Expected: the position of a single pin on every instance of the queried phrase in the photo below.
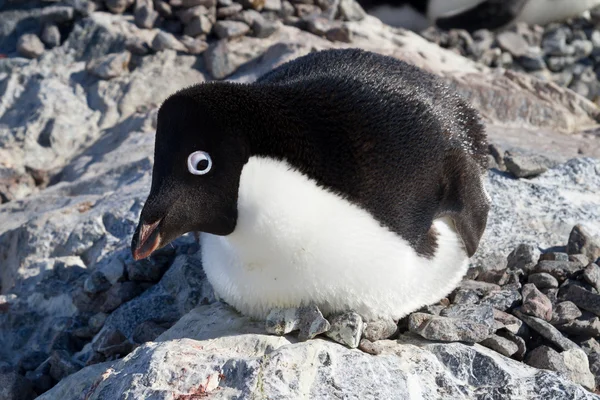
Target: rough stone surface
(582, 242)
(526, 165)
(502, 345)
(543, 280)
(110, 66)
(591, 274)
(456, 323)
(524, 256)
(535, 303)
(582, 298)
(380, 329)
(30, 46)
(346, 329)
(565, 311)
(547, 331)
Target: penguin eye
(199, 163)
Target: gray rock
(166, 41)
(346, 328)
(456, 323)
(547, 330)
(503, 299)
(230, 29)
(229, 11)
(351, 10)
(564, 312)
(187, 14)
(263, 28)
(163, 8)
(513, 43)
(518, 340)
(110, 66)
(61, 365)
(582, 48)
(119, 293)
(502, 345)
(15, 387)
(543, 280)
(561, 270)
(147, 331)
(282, 321)
(339, 34)
(97, 321)
(112, 342)
(463, 296)
(51, 36)
(544, 357)
(507, 321)
(555, 42)
(151, 269)
(497, 276)
(590, 346)
(532, 60)
(96, 283)
(591, 274)
(198, 25)
(582, 242)
(379, 330)
(144, 14)
(594, 363)
(194, 45)
(585, 325)
(535, 303)
(578, 369)
(555, 256)
(582, 298)
(524, 165)
(118, 6)
(30, 46)
(524, 256)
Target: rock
(15, 387)
(508, 321)
(263, 28)
(547, 330)
(457, 323)
(346, 329)
(513, 43)
(590, 346)
(518, 340)
(594, 363)
(379, 330)
(119, 293)
(532, 60)
(501, 345)
(80, 382)
(564, 312)
(150, 269)
(578, 368)
(585, 325)
(544, 357)
(118, 6)
(51, 36)
(194, 45)
(144, 14)
(581, 242)
(543, 280)
(166, 41)
(229, 11)
(582, 298)
(31, 361)
(524, 257)
(502, 300)
(561, 270)
(230, 29)
(30, 46)
(339, 34)
(198, 25)
(61, 365)
(307, 320)
(536, 303)
(110, 66)
(97, 321)
(523, 165)
(351, 10)
(111, 342)
(147, 331)
(96, 283)
(462, 296)
(497, 276)
(591, 274)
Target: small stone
(581, 242)
(350, 10)
(513, 43)
(543, 280)
(272, 5)
(262, 28)
(282, 321)
(457, 323)
(147, 331)
(166, 41)
(30, 46)
(497, 276)
(582, 48)
(518, 340)
(51, 36)
(579, 258)
(137, 46)
(194, 46)
(117, 6)
(306, 11)
(144, 14)
(230, 29)
(524, 256)
(219, 60)
(523, 165)
(230, 11)
(187, 14)
(61, 365)
(120, 293)
(482, 288)
(148, 270)
(584, 299)
(508, 321)
(380, 329)
(535, 303)
(578, 368)
(163, 8)
(197, 26)
(112, 342)
(110, 66)
(546, 330)
(96, 283)
(257, 5)
(544, 357)
(97, 321)
(561, 270)
(502, 300)
(346, 329)
(594, 363)
(318, 25)
(15, 387)
(339, 34)
(312, 323)
(369, 347)
(462, 296)
(555, 42)
(551, 294)
(501, 345)
(86, 303)
(585, 325)
(532, 60)
(590, 346)
(565, 312)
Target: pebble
(163, 8)
(546, 330)
(523, 165)
(502, 300)
(508, 321)
(462, 296)
(535, 303)
(230, 29)
(96, 321)
(581, 242)
(544, 357)
(194, 46)
(111, 342)
(380, 329)
(501, 345)
(351, 11)
(543, 280)
(263, 28)
(137, 46)
(561, 270)
(144, 14)
(524, 256)
(187, 14)
(513, 43)
(457, 323)
(30, 46)
(219, 61)
(166, 41)
(584, 299)
(120, 293)
(497, 276)
(200, 25)
(229, 11)
(518, 340)
(346, 329)
(565, 312)
(590, 346)
(585, 325)
(147, 331)
(148, 270)
(51, 36)
(110, 66)
(307, 320)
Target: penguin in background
(472, 15)
(343, 179)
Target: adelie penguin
(343, 179)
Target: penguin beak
(148, 240)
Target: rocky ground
(79, 88)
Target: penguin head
(198, 159)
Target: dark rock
(230, 29)
(501, 345)
(149, 269)
(581, 242)
(120, 293)
(497, 276)
(96, 283)
(523, 165)
(564, 312)
(40, 378)
(263, 28)
(547, 331)
(379, 330)
(346, 328)
(543, 280)
(254, 4)
(15, 387)
(456, 323)
(502, 300)
(144, 14)
(513, 43)
(590, 346)
(591, 274)
(582, 298)
(147, 331)
(518, 340)
(164, 41)
(524, 257)
(31, 361)
(163, 8)
(96, 321)
(187, 14)
(199, 25)
(554, 256)
(561, 270)
(30, 46)
(594, 360)
(508, 321)
(137, 46)
(86, 303)
(532, 60)
(51, 36)
(112, 342)
(585, 325)
(462, 296)
(535, 303)
(544, 357)
(61, 365)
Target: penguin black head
(195, 177)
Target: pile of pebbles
(189, 26)
(567, 53)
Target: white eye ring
(194, 159)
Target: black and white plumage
(346, 179)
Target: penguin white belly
(296, 243)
